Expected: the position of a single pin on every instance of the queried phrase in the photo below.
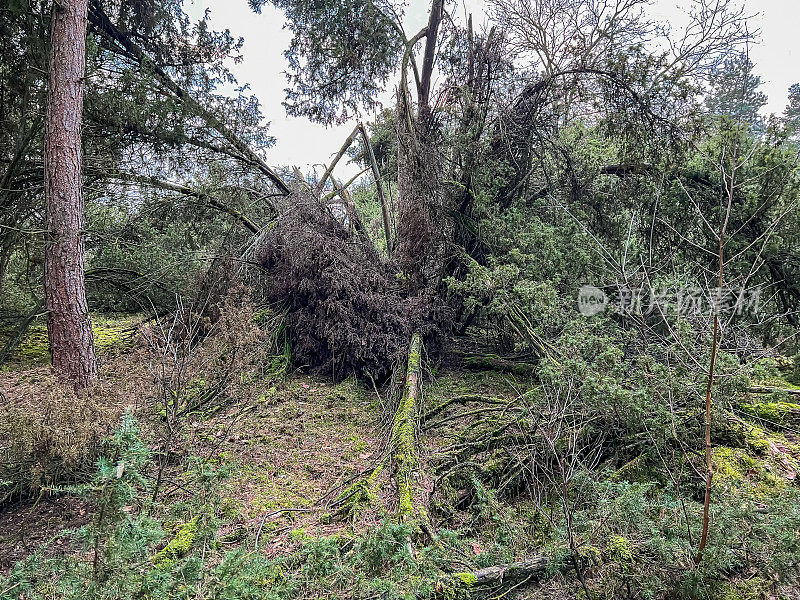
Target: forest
(531, 332)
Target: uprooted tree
(480, 132)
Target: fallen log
(529, 568)
(404, 429)
(764, 389)
(491, 362)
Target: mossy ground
(112, 333)
(307, 439)
(303, 439)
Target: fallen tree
(404, 431)
(347, 310)
(523, 570)
(401, 453)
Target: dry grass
(49, 434)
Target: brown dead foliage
(348, 308)
(49, 433)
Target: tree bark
(373, 164)
(404, 431)
(68, 326)
(434, 20)
(422, 217)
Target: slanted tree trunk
(422, 217)
(420, 211)
(68, 326)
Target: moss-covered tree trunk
(404, 431)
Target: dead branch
(527, 569)
(336, 159)
(387, 227)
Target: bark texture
(68, 326)
(422, 217)
(423, 222)
(404, 431)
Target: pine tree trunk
(68, 326)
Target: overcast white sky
(302, 143)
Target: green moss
(591, 554)
(229, 508)
(619, 549)
(195, 390)
(757, 440)
(360, 494)
(776, 382)
(457, 585)
(748, 589)
(468, 579)
(110, 332)
(113, 331)
(794, 376)
(178, 546)
(403, 433)
(775, 412)
(731, 464)
(34, 347)
(632, 471)
(357, 446)
(299, 535)
(271, 487)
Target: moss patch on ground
(304, 438)
(776, 411)
(178, 546)
(114, 332)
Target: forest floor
(286, 456)
(300, 443)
